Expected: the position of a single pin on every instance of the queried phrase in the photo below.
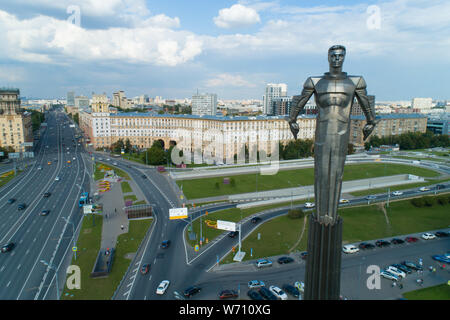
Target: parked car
(403, 268)
(293, 291)
(309, 205)
(254, 295)
(45, 212)
(350, 248)
(304, 255)
(255, 219)
(366, 245)
(233, 234)
(441, 234)
(189, 292)
(162, 287)
(397, 241)
(280, 294)
(411, 239)
(396, 271)
(428, 236)
(255, 284)
(12, 200)
(382, 243)
(441, 258)
(388, 275)
(412, 265)
(397, 193)
(284, 260)
(8, 247)
(165, 244)
(145, 268)
(228, 294)
(267, 294)
(260, 263)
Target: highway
(36, 237)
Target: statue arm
(298, 103)
(363, 100)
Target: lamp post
(73, 232)
(52, 267)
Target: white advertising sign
(87, 209)
(226, 225)
(178, 213)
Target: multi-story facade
(15, 126)
(273, 90)
(70, 99)
(81, 102)
(357, 110)
(204, 104)
(281, 106)
(422, 104)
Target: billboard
(226, 225)
(27, 144)
(178, 213)
(14, 155)
(87, 209)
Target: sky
(172, 48)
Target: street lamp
(52, 267)
(73, 232)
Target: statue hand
(294, 128)
(368, 128)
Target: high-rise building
(281, 106)
(120, 100)
(81, 102)
(100, 103)
(422, 104)
(273, 90)
(204, 104)
(70, 99)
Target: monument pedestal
(323, 264)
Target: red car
(145, 268)
(411, 239)
(226, 294)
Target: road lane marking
(8, 284)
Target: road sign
(196, 248)
(178, 213)
(27, 144)
(28, 154)
(226, 225)
(74, 249)
(14, 155)
(87, 209)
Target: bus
(84, 198)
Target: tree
(156, 154)
(128, 146)
(351, 148)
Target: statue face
(336, 58)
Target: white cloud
(236, 16)
(228, 80)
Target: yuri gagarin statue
(334, 94)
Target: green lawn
(8, 176)
(439, 292)
(201, 188)
(126, 187)
(360, 224)
(89, 244)
(130, 197)
(99, 175)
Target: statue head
(336, 56)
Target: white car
(108, 159)
(388, 275)
(280, 294)
(255, 284)
(74, 158)
(343, 201)
(397, 193)
(350, 249)
(57, 179)
(309, 205)
(162, 287)
(423, 189)
(428, 236)
(39, 168)
(115, 163)
(263, 263)
(396, 271)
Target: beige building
(16, 127)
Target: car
(440, 186)
(382, 243)
(233, 234)
(403, 268)
(39, 168)
(47, 194)
(21, 206)
(68, 161)
(293, 291)
(254, 295)
(115, 163)
(165, 244)
(300, 285)
(8, 247)
(350, 249)
(423, 189)
(12, 200)
(255, 219)
(343, 201)
(397, 241)
(441, 258)
(227, 294)
(309, 205)
(412, 265)
(144, 176)
(108, 159)
(255, 284)
(44, 212)
(267, 294)
(371, 197)
(145, 268)
(284, 260)
(49, 162)
(74, 158)
(260, 263)
(411, 239)
(388, 275)
(441, 234)
(397, 193)
(366, 245)
(162, 287)
(428, 236)
(280, 294)
(304, 255)
(57, 179)
(189, 292)
(396, 271)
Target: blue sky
(172, 48)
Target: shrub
(232, 183)
(217, 185)
(429, 201)
(296, 213)
(418, 202)
(442, 200)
